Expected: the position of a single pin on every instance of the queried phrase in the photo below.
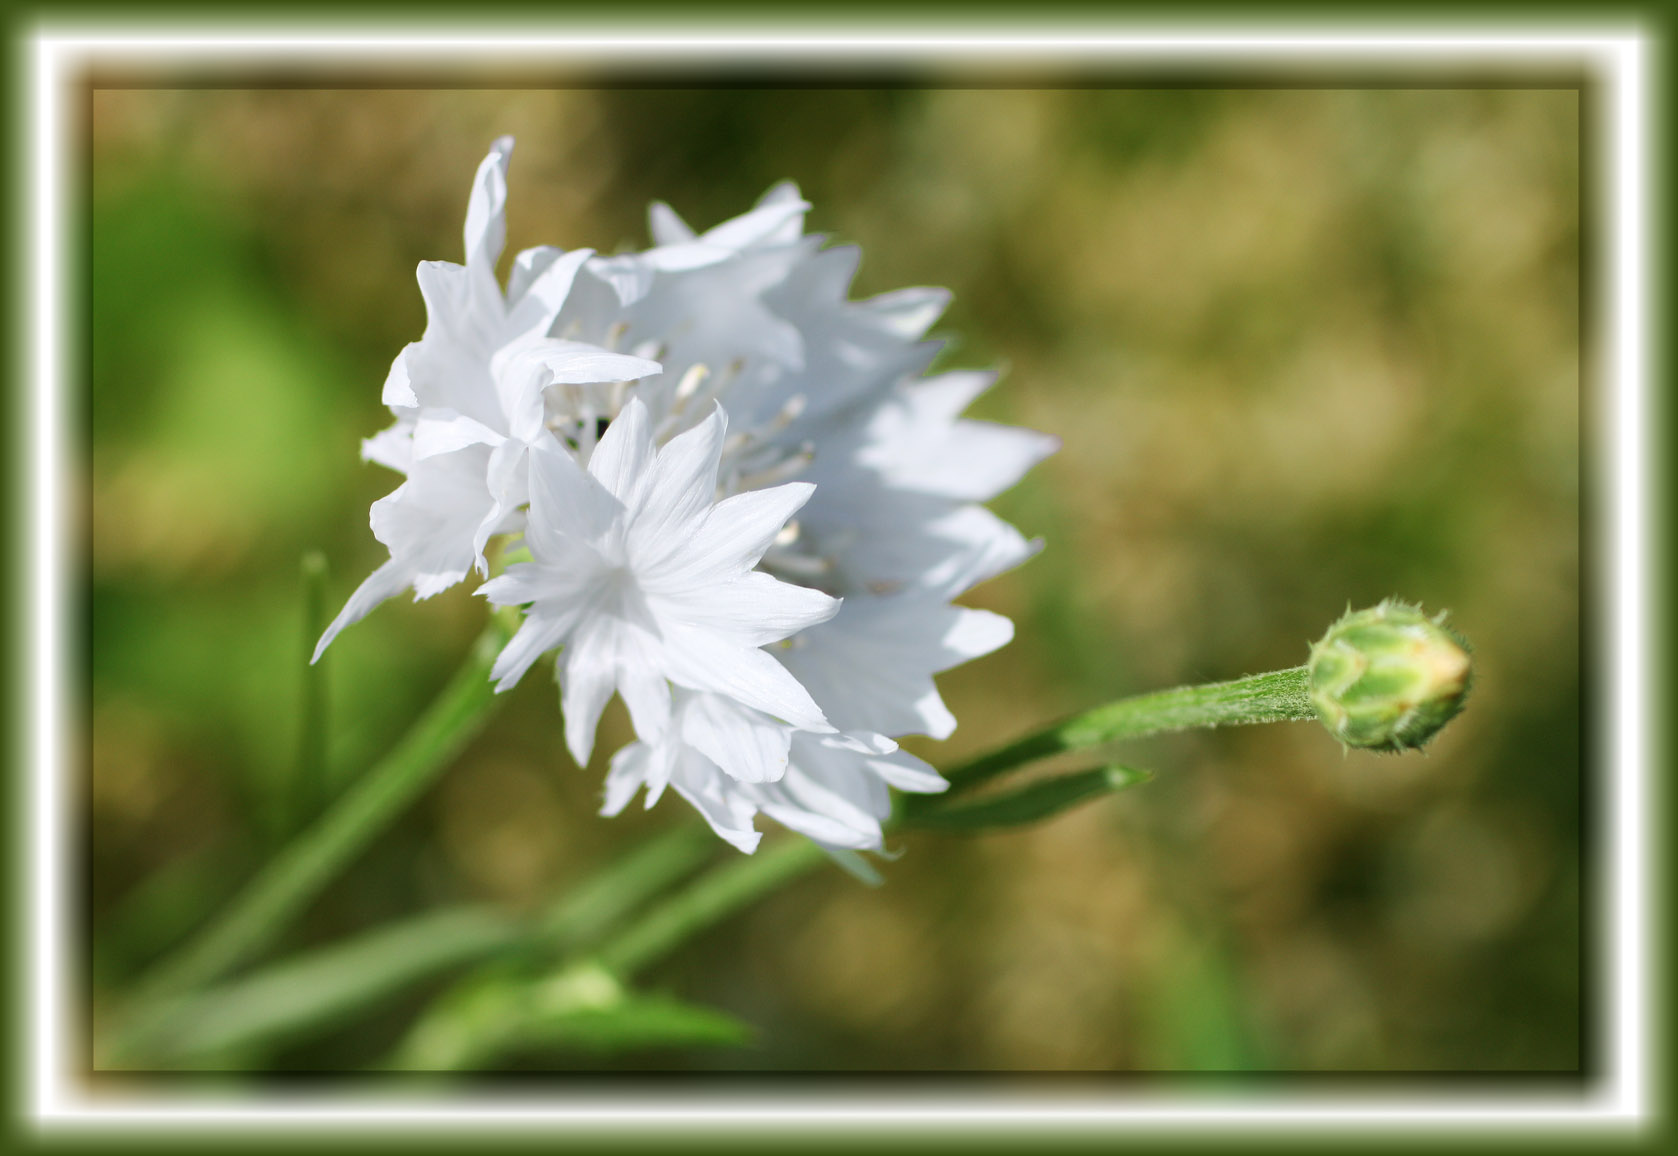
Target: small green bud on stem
(1388, 678)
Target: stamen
(775, 473)
(798, 565)
(689, 385)
(790, 412)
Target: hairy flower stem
(312, 860)
(1280, 696)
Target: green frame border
(983, 1135)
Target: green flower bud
(1388, 678)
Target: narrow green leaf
(582, 1008)
(643, 1021)
(317, 988)
(326, 986)
(1027, 804)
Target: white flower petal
(686, 256)
(430, 583)
(486, 211)
(908, 313)
(539, 286)
(625, 453)
(975, 633)
(907, 773)
(728, 812)
(753, 609)
(565, 503)
(700, 660)
(784, 193)
(628, 774)
(837, 781)
(524, 369)
(682, 482)
(934, 718)
(587, 676)
(646, 693)
(385, 582)
(661, 766)
(534, 638)
(428, 521)
(827, 796)
(398, 390)
(574, 363)
(523, 583)
(770, 220)
(666, 226)
(744, 743)
(824, 829)
(629, 277)
(392, 448)
(454, 326)
(982, 546)
(509, 486)
(735, 534)
(442, 431)
(528, 265)
(862, 742)
(871, 665)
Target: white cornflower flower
(469, 403)
(646, 581)
(768, 662)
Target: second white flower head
(647, 580)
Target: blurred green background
(1304, 348)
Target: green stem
(709, 899)
(586, 914)
(308, 793)
(295, 876)
(1280, 696)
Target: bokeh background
(1304, 348)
